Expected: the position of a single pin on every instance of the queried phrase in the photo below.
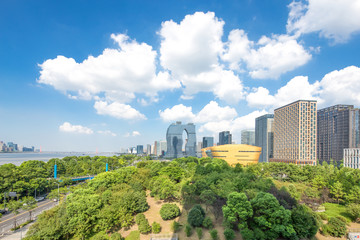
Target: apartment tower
(295, 127)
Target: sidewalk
(16, 235)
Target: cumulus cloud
(133, 134)
(213, 112)
(337, 87)
(333, 19)
(116, 75)
(107, 132)
(267, 58)
(68, 127)
(190, 50)
(118, 110)
(177, 113)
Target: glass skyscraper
(225, 138)
(264, 136)
(248, 137)
(338, 128)
(208, 142)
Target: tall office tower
(295, 133)
(352, 158)
(139, 149)
(264, 136)
(163, 148)
(199, 146)
(225, 138)
(248, 137)
(337, 129)
(208, 142)
(148, 149)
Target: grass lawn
(333, 210)
(134, 235)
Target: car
(55, 200)
(39, 199)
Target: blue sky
(87, 75)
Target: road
(8, 220)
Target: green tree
(354, 211)
(29, 205)
(337, 190)
(237, 210)
(208, 197)
(14, 207)
(304, 222)
(229, 234)
(169, 211)
(214, 234)
(143, 224)
(188, 230)
(199, 232)
(156, 227)
(196, 216)
(271, 218)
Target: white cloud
(213, 112)
(341, 87)
(177, 113)
(107, 132)
(268, 58)
(68, 127)
(192, 46)
(190, 50)
(118, 110)
(133, 134)
(336, 87)
(116, 75)
(333, 19)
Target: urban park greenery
(263, 201)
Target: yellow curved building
(234, 153)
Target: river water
(18, 158)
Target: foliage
(214, 234)
(334, 210)
(116, 236)
(354, 211)
(237, 210)
(100, 236)
(229, 234)
(169, 211)
(335, 227)
(143, 224)
(284, 197)
(199, 232)
(175, 226)
(156, 227)
(323, 216)
(304, 222)
(196, 216)
(134, 235)
(188, 230)
(29, 204)
(207, 223)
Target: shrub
(323, 216)
(156, 227)
(100, 236)
(188, 231)
(229, 234)
(214, 234)
(175, 226)
(336, 227)
(143, 224)
(196, 216)
(354, 211)
(199, 232)
(116, 236)
(169, 211)
(207, 223)
(343, 219)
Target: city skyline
(81, 77)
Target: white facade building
(352, 158)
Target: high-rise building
(337, 128)
(264, 136)
(148, 149)
(225, 138)
(199, 146)
(208, 142)
(248, 137)
(174, 140)
(352, 158)
(139, 149)
(160, 148)
(295, 127)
